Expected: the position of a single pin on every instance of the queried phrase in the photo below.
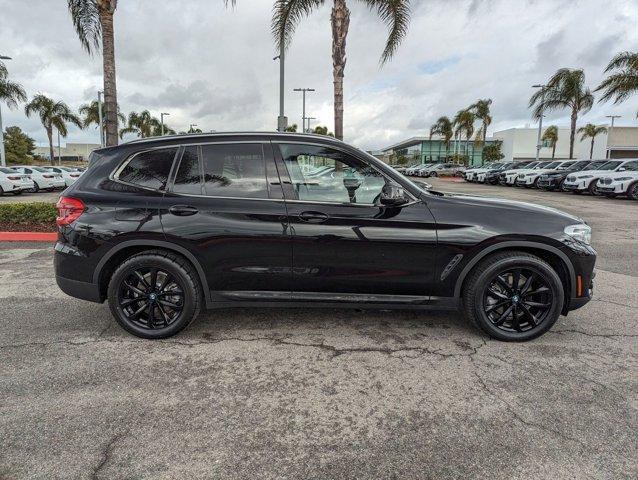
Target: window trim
(342, 150)
(115, 175)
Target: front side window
(630, 166)
(234, 170)
(149, 169)
(322, 174)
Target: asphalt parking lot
(322, 393)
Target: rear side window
(188, 178)
(149, 169)
(234, 170)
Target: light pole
(282, 120)
(309, 118)
(540, 121)
(303, 115)
(3, 161)
(99, 113)
(191, 130)
(162, 121)
(611, 129)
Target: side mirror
(621, 169)
(393, 196)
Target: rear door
(225, 205)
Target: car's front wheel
(513, 296)
(155, 294)
(632, 191)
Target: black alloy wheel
(632, 191)
(513, 296)
(593, 191)
(155, 294)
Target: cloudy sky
(213, 66)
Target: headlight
(586, 176)
(622, 179)
(580, 232)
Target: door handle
(182, 210)
(313, 217)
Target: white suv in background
(509, 176)
(14, 182)
(623, 181)
(70, 175)
(42, 178)
(439, 170)
(586, 180)
(528, 178)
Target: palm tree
(10, 93)
(550, 135)
(565, 89)
(52, 114)
(481, 110)
(91, 114)
(464, 123)
(445, 129)
(591, 131)
(142, 124)
(624, 82)
(288, 13)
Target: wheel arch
(552, 255)
(108, 263)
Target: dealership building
(71, 152)
(517, 144)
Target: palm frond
(86, 20)
(396, 15)
(286, 16)
(11, 93)
(623, 60)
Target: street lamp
(162, 121)
(282, 121)
(310, 118)
(3, 161)
(540, 121)
(611, 129)
(303, 115)
(191, 130)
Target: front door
(344, 240)
(225, 205)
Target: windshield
(552, 165)
(39, 169)
(530, 165)
(594, 165)
(6, 170)
(540, 165)
(609, 166)
(566, 166)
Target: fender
(161, 244)
(513, 244)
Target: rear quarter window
(148, 169)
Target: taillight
(69, 210)
(48, 176)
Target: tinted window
(609, 166)
(630, 166)
(188, 178)
(325, 175)
(234, 170)
(149, 169)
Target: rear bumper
(81, 290)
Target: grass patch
(28, 217)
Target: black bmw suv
(164, 227)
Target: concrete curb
(28, 236)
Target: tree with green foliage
(52, 115)
(142, 124)
(621, 84)
(91, 115)
(492, 152)
(481, 110)
(288, 13)
(319, 130)
(291, 128)
(550, 135)
(19, 146)
(10, 93)
(591, 131)
(445, 129)
(464, 124)
(565, 89)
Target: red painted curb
(28, 236)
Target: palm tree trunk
(553, 149)
(50, 137)
(340, 20)
(107, 8)
(591, 149)
(484, 132)
(572, 133)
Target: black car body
(256, 219)
(554, 179)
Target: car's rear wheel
(593, 191)
(155, 294)
(513, 296)
(632, 191)
(36, 187)
(17, 192)
(432, 174)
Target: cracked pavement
(304, 393)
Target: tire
(433, 174)
(175, 275)
(632, 191)
(18, 192)
(476, 296)
(593, 191)
(36, 187)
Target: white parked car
(69, 174)
(623, 181)
(439, 170)
(14, 182)
(587, 180)
(528, 178)
(42, 178)
(472, 175)
(512, 175)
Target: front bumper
(548, 183)
(578, 187)
(617, 188)
(523, 182)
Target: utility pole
(303, 115)
(162, 121)
(99, 113)
(3, 161)
(309, 118)
(540, 121)
(611, 129)
(59, 150)
(282, 120)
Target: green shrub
(36, 212)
